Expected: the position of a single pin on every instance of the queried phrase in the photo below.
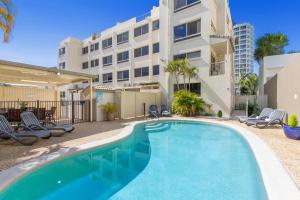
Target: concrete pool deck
(11, 154)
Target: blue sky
(42, 24)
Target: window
(62, 65)
(107, 60)
(107, 43)
(62, 51)
(155, 25)
(182, 4)
(85, 65)
(85, 50)
(155, 70)
(156, 48)
(95, 63)
(107, 78)
(96, 80)
(123, 37)
(186, 31)
(141, 30)
(141, 72)
(62, 94)
(94, 47)
(143, 51)
(191, 55)
(123, 76)
(195, 87)
(123, 57)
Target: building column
(91, 99)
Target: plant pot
(110, 116)
(292, 133)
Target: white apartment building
(134, 53)
(244, 51)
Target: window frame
(122, 37)
(107, 42)
(62, 65)
(108, 75)
(85, 65)
(141, 30)
(187, 36)
(141, 72)
(185, 6)
(95, 63)
(94, 47)
(123, 60)
(154, 28)
(62, 51)
(153, 48)
(123, 79)
(141, 50)
(107, 64)
(153, 69)
(85, 50)
(186, 55)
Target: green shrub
(220, 114)
(293, 122)
(187, 103)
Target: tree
(268, 45)
(191, 72)
(7, 18)
(173, 68)
(184, 67)
(249, 84)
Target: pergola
(25, 74)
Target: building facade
(135, 53)
(279, 71)
(244, 52)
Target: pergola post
(91, 99)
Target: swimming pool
(165, 160)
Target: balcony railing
(61, 112)
(217, 68)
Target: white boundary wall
(132, 103)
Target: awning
(20, 73)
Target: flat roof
(21, 73)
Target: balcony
(217, 68)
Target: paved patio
(288, 151)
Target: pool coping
(277, 181)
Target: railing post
(73, 107)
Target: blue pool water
(168, 160)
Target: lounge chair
(30, 120)
(153, 111)
(165, 111)
(276, 118)
(265, 113)
(21, 137)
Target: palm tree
(7, 18)
(184, 67)
(249, 84)
(268, 45)
(173, 68)
(192, 72)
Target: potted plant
(220, 114)
(291, 130)
(23, 106)
(110, 109)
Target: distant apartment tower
(244, 51)
(134, 53)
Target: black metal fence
(60, 112)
